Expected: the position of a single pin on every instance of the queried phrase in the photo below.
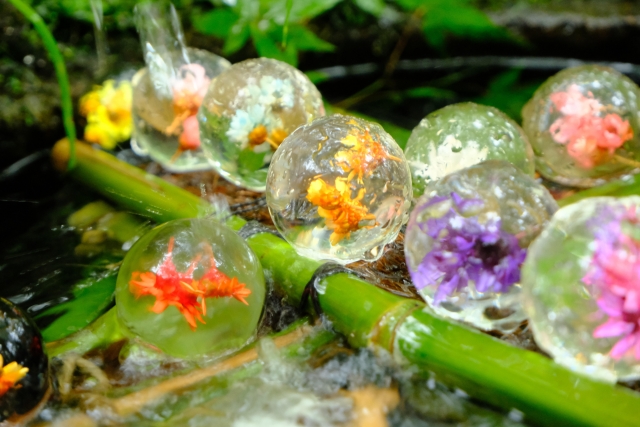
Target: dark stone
(21, 342)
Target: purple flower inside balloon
(465, 250)
(614, 276)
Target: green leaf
(506, 94)
(305, 39)
(459, 19)
(91, 298)
(249, 10)
(217, 22)
(317, 76)
(429, 92)
(374, 7)
(411, 5)
(301, 10)
(267, 46)
(310, 9)
(250, 161)
(238, 37)
(401, 135)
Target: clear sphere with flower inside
(583, 124)
(467, 239)
(247, 113)
(191, 287)
(581, 287)
(339, 189)
(165, 104)
(462, 135)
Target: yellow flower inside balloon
(10, 375)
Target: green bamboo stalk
(51, 46)
(105, 330)
(130, 187)
(482, 366)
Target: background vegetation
(315, 35)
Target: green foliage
(429, 92)
(507, 94)
(265, 23)
(278, 29)
(117, 13)
(440, 18)
(91, 298)
(374, 7)
(250, 161)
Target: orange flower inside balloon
(183, 290)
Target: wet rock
(20, 342)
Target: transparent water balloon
(583, 124)
(339, 189)
(581, 288)
(247, 113)
(191, 287)
(169, 91)
(164, 118)
(467, 238)
(462, 135)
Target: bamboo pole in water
(484, 367)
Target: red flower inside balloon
(182, 290)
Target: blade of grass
(61, 73)
(628, 186)
(285, 27)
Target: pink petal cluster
(614, 275)
(192, 83)
(588, 136)
(189, 90)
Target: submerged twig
(133, 402)
(72, 362)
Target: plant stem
(103, 331)
(285, 27)
(625, 161)
(484, 367)
(629, 186)
(409, 27)
(61, 73)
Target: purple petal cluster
(466, 250)
(614, 275)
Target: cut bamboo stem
(482, 366)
